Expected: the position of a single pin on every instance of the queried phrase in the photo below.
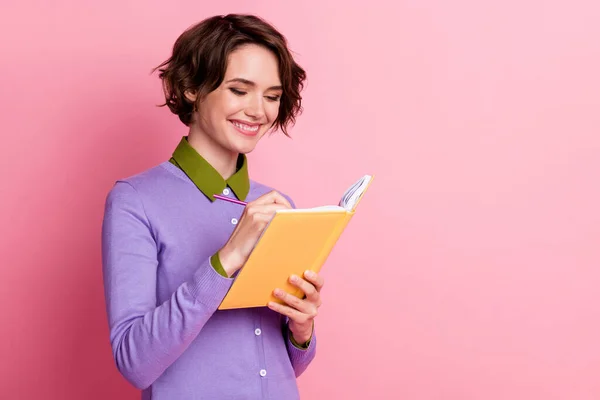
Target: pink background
(472, 268)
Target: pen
(217, 196)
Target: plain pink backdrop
(471, 270)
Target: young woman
(171, 250)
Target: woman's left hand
(301, 312)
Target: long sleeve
(146, 338)
(300, 358)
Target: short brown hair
(199, 61)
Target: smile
(246, 129)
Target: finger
(267, 208)
(314, 278)
(258, 215)
(260, 221)
(308, 288)
(294, 315)
(303, 306)
(272, 197)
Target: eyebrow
(250, 83)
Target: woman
(170, 249)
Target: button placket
(258, 334)
(233, 220)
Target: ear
(191, 95)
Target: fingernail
(278, 292)
(309, 274)
(294, 278)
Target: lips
(245, 128)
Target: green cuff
(302, 346)
(216, 263)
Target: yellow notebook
(296, 240)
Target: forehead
(254, 63)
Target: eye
(273, 98)
(237, 92)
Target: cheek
(227, 106)
(272, 111)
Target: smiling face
(235, 116)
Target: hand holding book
(254, 220)
(292, 242)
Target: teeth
(245, 127)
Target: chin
(244, 144)
(245, 148)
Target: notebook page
(351, 196)
(320, 208)
(347, 203)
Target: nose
(255, 107)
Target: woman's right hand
(253, 221)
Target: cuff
(300, 346)
(215, 261)
(208, 287)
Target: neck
(221, 159)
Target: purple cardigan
(162, 294)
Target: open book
(348, 202)
(296, 240)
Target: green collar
(205, 177)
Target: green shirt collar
(205, 177)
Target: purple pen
(229, 199)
